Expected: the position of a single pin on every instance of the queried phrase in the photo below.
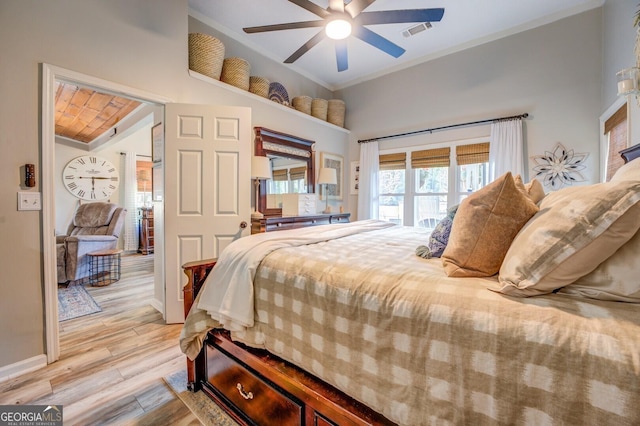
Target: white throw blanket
(228, 299)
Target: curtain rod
(451, 126)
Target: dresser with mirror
(293, 172)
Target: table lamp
(260, 169)
(327, 176)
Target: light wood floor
(112, 363)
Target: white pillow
(617, 278)
(629, 171)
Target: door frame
(51, 73)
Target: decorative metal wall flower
(560, 167)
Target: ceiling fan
(342, 19)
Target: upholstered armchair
(95, 226)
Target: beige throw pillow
(575, 230)
(533, 189)
(483, 228)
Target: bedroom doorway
(51, 75)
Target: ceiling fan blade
(400, 16)
(356, 6)
(305, 48)
(311, 7)
(341, 55)
(288, 26)
(378, 41)
(336, 6)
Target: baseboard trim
(19, 368)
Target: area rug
(200, 405)
(74, 301)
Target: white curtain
(130, 189)
(368, 196)
(505, 149)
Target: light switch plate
(29, 201)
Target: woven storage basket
(302, 103)
(235, 71)
(259, 86)
(335, 112)
(206, 54)
(319, 108)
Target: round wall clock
(90, 178)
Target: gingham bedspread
(387, 327)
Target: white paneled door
(207, 169)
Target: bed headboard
(630, 153)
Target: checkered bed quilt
(389, 328)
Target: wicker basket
(335, 112)
(235, 71)
(206, 54)
(319, 108)
(302, 103)
(259, 86)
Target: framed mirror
(293, 162)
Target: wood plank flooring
(112, 363)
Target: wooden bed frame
(630, 153)
(257, 388)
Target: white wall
(553, 73)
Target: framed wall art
(560, 167)
(354, 178)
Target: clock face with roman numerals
(90, 178)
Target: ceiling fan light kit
(338, 29)
(341, 20)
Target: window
(279, 183)
(392, 185)
(288, 180)
(419, 192)
(430, 169)
(616, 130)
(144, 183)
(473, 168)
(297, 178)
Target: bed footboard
(292, 396)
(196, 273)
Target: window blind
(438, 157)
(472, 154)
(393, 161)
(297, 173)
(279, 175)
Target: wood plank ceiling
(83, 114)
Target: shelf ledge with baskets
(267, 101)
